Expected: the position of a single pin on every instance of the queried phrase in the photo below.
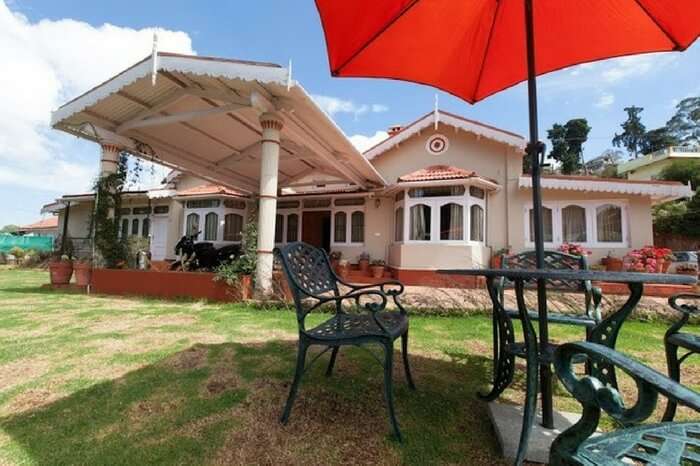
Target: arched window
(420, 222)
(145, 227)
(357, 225)
(233, 226)
(135, 227)
(292, 228)
(573, 223)
(211, 225)
(476, 226)
(339, 233)
(451, 222)
(547, 222)
(609, 223)
(398, 224)
(125, 228)
(279, 228)
(192, 225)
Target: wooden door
(316, 229)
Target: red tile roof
(607, 180)
(210, 190)
(437, 172)
(45, 224)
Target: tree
(9, 228)
(567, 144)
(685, 124)
(682, 216)
(657, 139)
(633, 132)
(685, 171)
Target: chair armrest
(687, 310)
(372, 307)
(592, 394)
(381, 285)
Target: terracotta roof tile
(210, 190)
(47, 223)
(437, 172)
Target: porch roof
(200, 115)
(209, 190)
(659, 191)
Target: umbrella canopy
(473, 49)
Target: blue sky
(58, 49)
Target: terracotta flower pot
(496, 261)
(60, 272)
(83, 273)
(364, 265)
(613, 264)
(377, 271)
(343, 270)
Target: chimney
(393, 129)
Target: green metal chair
(675, 339)
(314, 284)
(666, 443)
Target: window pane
(451, 222)
(142, 210)
(145, 227)
(234, 204)
(477, 192)
(437, 191)
(233, 226)
(547, 220)
(340, 222)
(292, 228)
(135, 227)
(124, 211)
(287, 204)
(398, 224)
(161, 209)
(211, 225)
(125, 227)
(420, 222)
(202, 203)
(573, 220)
(279, 228)
(315, 203)
(357, 223)
(192, 224)
(609, 224)
(476, 226)
(345, 201)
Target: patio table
(539, 356)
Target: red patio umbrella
(475, 48)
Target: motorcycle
(202, 255)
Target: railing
(672, 149)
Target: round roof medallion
(437, 144)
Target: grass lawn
(105, 380)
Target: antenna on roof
(436, 117)
(289, 75)
(154, 59)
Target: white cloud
(334, 105)
(605, 100)
(362, 142)
(45, 64)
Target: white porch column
(109, 159)
(267, 210)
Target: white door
(159, 237)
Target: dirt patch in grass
(22, 370)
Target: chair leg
(331, 363)
(406, 366)
(674, 372)
(298, 372)
(388, 386)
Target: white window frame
(221, 211)
(286, 213)
(349, 210)
(591, 223)
(435, 203)
(140, 218)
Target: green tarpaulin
(37, 243)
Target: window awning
(659, 191)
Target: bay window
(192, 226)
(233, 227)
(420, 223)
(223, 219)
(398, 224)
(573, 221)
(609, 223)
(476, 230)
(211, 225)
(451, 222)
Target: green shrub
(17, 252)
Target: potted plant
(687, 269)
(497, 257)
(343, 268)
(363, 262)
(377, 267)
(83, 272)
(335, 256)
(612, 263)
(60, 269)
(238, 272)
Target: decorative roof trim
(659, 191)
(480, 129)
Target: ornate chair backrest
(553, 260)
(308, 272)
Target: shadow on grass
(221, 403)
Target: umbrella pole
(534, 150)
